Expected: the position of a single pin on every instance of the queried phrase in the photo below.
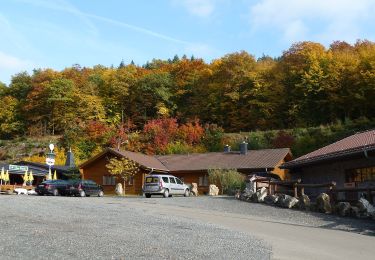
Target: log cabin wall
(190, 177)
(97, 169)
(329, 171)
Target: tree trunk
(124, 186)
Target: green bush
(227, 179)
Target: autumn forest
(185, 104)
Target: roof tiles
(353, 143)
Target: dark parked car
(52, 187)
(84, 188)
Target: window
(360, 175)
(171, 179)
(178, 181)
(131, 180)
(152, 180)
(203, 180)
(109, 180)
(165, 179)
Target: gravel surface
(270, 213)
(35, 227)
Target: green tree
(10, 125)
(150, 97)
(123, 168)
(60, 101)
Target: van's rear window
(152, 180)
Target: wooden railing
(272, 186)
(370, 193)
(329, 186)
(296, 187)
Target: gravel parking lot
(35, 227)
(157, 228)
(271, 213)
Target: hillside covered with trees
(187, 105)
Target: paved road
(174, 228)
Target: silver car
(166, 185)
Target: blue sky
(60, 33)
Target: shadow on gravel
(361, 226)
(271, 213)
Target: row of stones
(361, 209)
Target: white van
(164, 184)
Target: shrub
(227, 179)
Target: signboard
(50, 161)
(13, 167)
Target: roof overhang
(329, 157)
(118, 154)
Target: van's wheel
(82, 193)
(55, 192)
(101, 194)
(187, 193)
(166, 194)
(148, 195)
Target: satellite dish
(51, 147)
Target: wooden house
(191, 168)
(349, 162)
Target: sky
(60, 33)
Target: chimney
(70, 159)
(226, 149)
(243, 148)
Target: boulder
(323, 203)
(194, 189)
(365, 208)
(119, 190)
(286, 201)
(254, 197)
(259, 195)
(271, 199)
(213, 190)
(262, 193)
(289, 202)
(354, 212)
(343, 208)
(304, 202)
(246, 195)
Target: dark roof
(357, 143)
(37, 171)
(149, 162)
(59, 168)
(254, 159)
(146, 161)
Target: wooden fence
(294, 186)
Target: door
(87, 187)
(179, 186)
(173, 186)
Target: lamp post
(50, 159)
